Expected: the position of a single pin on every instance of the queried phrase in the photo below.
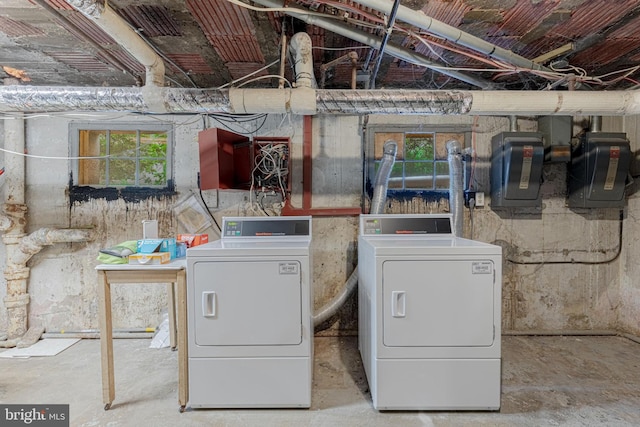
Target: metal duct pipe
(452, 34)
(418, 102)
(369, 39)
(377, 207)
(381, 182)
(331, 308)
(596, 124)
(109, 21)
(456, 197)
(302, 60)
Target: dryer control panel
(384, 225)
(294, 226)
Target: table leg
(171, 289)
(106, 340)
(183, 351)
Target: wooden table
(173, 274)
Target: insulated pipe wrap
(456, 196)
(393, 102)
(31, 99)
(130, 99)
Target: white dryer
(250, 315)
(429, 314)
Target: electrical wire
(35, 156)
(268, 76)
(249, 75)
(206, 208)
(606, 261)
(270, 172)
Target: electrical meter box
(516, 169)
(598, 171)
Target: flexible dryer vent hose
(381, 184)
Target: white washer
(249, 315)
(429, 314)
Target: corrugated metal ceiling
(14, 28)
(211, 42)
(152, 21)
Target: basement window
(421, 161)
(119, 159)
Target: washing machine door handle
(209, 301)
(398, 303)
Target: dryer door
(247, 303)
(439, 303)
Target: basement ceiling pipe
(363, 37)
(302, 59)
(306, 101)
(438, 28)
(118, 29)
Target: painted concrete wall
(629, 319)
(544, 288)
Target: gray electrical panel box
(598, 171)
(516, 169)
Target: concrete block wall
(542, 288)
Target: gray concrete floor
(568, 381)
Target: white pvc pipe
(372, 40)
(567, 103)
(450, 33)
(14, 164)
(300, 49)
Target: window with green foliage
(121, 155)
(421, 161)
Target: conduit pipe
(306, 101)
(118, 29)
(383, 44)
(456, 182)
(363, 37)
(378, 201)
(438, 28)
